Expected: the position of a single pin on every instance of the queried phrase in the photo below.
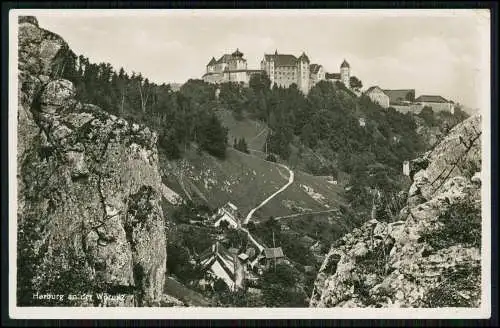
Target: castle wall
(437, 107)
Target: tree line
(181, 117)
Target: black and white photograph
(249, 163)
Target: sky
(439, 52)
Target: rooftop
(332, 76)
(212, 62)
(314, 68)
(304, 57)
(344, 64)
(399, 95)
(433, 99)
(232, 206)
(281, 60)
(272, 253)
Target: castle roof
(226, 58)
(396, 96)
(281, 60)
(212, 62)
(344, 64)
(433, 99)
(314, 68)
(332, 76)
(304, 57)
(237, 53)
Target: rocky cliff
(89, 218)
(431, 256)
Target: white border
(15, 312)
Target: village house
(223, 264)
(229, 214)
(273, 256)
(377, 95)
(437, 103)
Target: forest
(325, 122)
(180, 117)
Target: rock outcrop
(89, 218)
(430, 258)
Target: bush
(461, 225)
(271, 158)
(469, 167)
(456, 282)
(169, 144)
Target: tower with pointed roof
(211, 65)
(345, 73)
(303, 73)
(229, 68)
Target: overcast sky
(445, 53)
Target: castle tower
(303, 73)
(272, 67)
(240, 62)
(345, 73)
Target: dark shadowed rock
(28, 19)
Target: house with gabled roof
(223, 264)
(228, 213)
(272, 256)
(437, 103)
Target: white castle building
(282, 69)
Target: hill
(246, 180)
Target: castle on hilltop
(282, 69)
(229, 68)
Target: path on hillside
(304, 214)
(249, 216)
(265, 201)
(258, 134)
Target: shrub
(271, 158)
(461, 225)
(375, 260)
(459, 287)
(469, 167)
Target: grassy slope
(246, 180)
(254, 132)
(242, 179)
(178, 290)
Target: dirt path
(265, 201)
(304, 214)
